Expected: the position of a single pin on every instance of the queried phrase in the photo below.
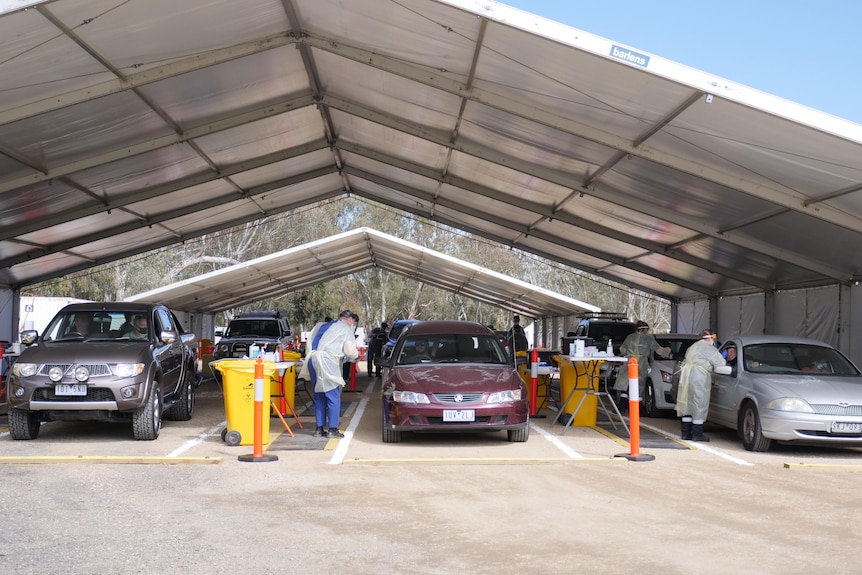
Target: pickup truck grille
(96, 369)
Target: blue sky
(806, 52)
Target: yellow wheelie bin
(238, 386)
(283, 383)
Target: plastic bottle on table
(610, 351)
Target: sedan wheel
(650, 409)
(518, 435)
(750, 430)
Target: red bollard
(258, 455)
(534, 381)
(635, 416)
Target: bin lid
(243, 366)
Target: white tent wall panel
(692, 316)
(739, 315)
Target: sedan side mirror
(723, 369)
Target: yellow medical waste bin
(576, 378)
(238, 386)
(284, 398)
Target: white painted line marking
(215, 430)
(555, 441)
(699, 445)
(344, 443)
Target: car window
(678, 347)
(253, 328)
(788, 358)
(73, 325)
(451, 348)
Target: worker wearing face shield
(695, 382)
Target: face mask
(142, 330)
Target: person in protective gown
(695, 381)
(330, 344)
(640, 344)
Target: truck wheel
(147, 420)
(182, 410)
(23, 424)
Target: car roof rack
(261, 313)
(602, 315)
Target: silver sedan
(790, 390)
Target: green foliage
(376, 295)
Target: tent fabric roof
(129, 126)
(350, 252)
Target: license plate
(70, 389)
(846, 427)
(459, 415)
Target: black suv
(267, 329)
(595, 328)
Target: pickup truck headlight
(127, 369)
(25, 369)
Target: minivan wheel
(23, 424)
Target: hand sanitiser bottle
(610, 351)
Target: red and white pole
(534, 381)
(258, 454)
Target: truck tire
(183, 409)
(147, 419)
(23, 424)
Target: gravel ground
(431, 504)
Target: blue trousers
(327, 406)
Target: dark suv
(596, 328)
(267, 329)
(114, 361)
(395, 331)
